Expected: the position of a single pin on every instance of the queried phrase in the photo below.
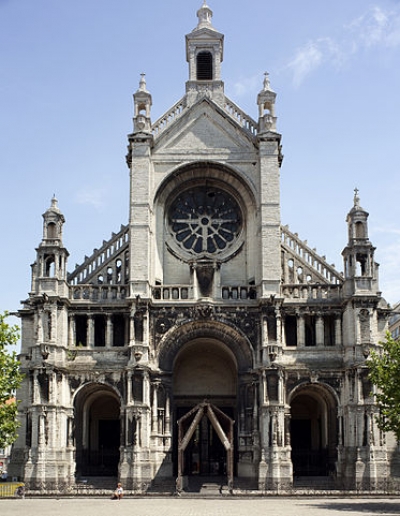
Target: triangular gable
(205, 126)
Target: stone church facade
(204, 339)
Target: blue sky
(68, 70)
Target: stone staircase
(165, 486)
(95, 486)
(204, 487)
(314, 484)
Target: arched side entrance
(313, 431)
(97, 431)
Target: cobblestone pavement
(202, 507)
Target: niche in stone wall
(364, 318)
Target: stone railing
(239, 292)
(162, 123)
(309, 257)
(234, 111)
(100, 257)
(99, 292)
(311, 292)
(173, 292)
(187, 292)
(240, 116)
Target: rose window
(205, 220)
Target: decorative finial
(267, 84)
(142, 82)
(356, 197)
(204, 14)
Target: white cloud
(374, 28)
(248, 84)
(311, 57)
(91, 197)
(370, 28)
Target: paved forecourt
(202, 507)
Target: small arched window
(51, 230)
(49, 266)
(204, 66)
(360, 230)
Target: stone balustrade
(163, 122)
(240, 116)
(311, 292)
(99, 292)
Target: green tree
(384, 373)
(10, 380)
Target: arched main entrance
(205, 373)
(204, 452)
(313, 431)
(207, 360)
(97, 431)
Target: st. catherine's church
(204, 339)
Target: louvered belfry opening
(204, 66)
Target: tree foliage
(10, 380)
(384, 373)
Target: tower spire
(142, 100)
(205, 15)
(360, 268)
(266, 106)
(204, 53)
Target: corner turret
(266, 107)
(360, 269)
(142, 105)
(49, 272)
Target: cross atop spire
(267, 82)
(356, 197)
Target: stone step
(97, 483)
(314, 483)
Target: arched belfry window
(51, 230)
(360, 230)
(204, 66)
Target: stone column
(264, 337)
(129, 388)
(71, 331)
(319, 330)
(278, 327)
(90, 331)
(35, 388)
(132, 328)
(338, 330)
(154, 409)
(52, 388)
(109, 331)
(167, 432)
(301, 331)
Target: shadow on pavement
(387, 508)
